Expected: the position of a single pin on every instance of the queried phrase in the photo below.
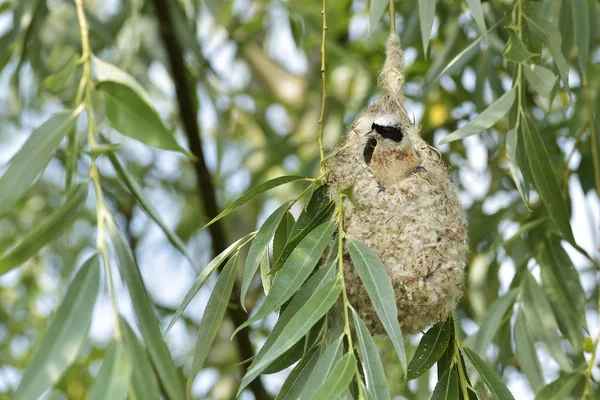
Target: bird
(394, 157)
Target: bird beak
(371, 133)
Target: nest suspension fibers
(404, 208)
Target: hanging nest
(415, 226)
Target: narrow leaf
(492, 320)
(477, 11)
(33, 157)
(132, 116)
(142, 305)
(541, 322)
(560, 281)
(212, 318)
(114, 375)
(431, 347)
(204, 275)
(376, 281)
(143, 384)
(550, 35)
(296, 380)
(494, 113)
(426, 16)
(46, 231)
(515, 50)
(312, 311)
(295, 271)
(561, 388)
(322, 369)
(253, 193)
(148, 208)
(581, 25)
(371, 363)
(447, 386)
(545, 179)
(338, 380)
(513, 162)
(298, 234)
(65, 335)
(540, 78)
(107, 72)
(376, 12)
(260, 247)
(314, 283)
(282, 234)
(527, 354)
(492, 381)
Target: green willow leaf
(294, 272)
(371, 363)
(477, 11)
(513, 162)
(541, 321)
(143, 384)
(107, 72)
(260, 247)
(545, 179)
(33, 157)
(376, 12)
(298, 234)
(65, 335)
(132, 116)
(527, 354)
(148, 208)
(204, 275)
(550, 35)
(46, 231)
(253, 193)
(322, 369)
(113, 377)
(314, 283)
(561, 388)
(540, 78)
(282, 234)
(445, 361)
(56, 82)
(149, 327)
(338, 380)
(431, 347)
(212, 318)
(376, 281)
(492, 381)
(313, 310)
(515, 50)
(492, 320)
(296, 380)
(560, 281)
(488, 117)
(426, 16)
(447, 386)
(581, 26)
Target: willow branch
(206, 188)
(324, 81)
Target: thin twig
(324, 82)
(393, 16)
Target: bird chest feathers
(403, 207)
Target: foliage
(109, 99)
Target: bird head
(387, 127)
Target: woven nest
(415, 226)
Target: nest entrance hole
(368, 151)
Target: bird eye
(373, 126)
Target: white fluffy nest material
(416, 226)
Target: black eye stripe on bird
(389, 132)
